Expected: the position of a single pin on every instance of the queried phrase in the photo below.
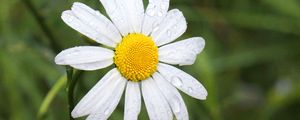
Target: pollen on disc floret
(136, 57)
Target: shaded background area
(250, 66)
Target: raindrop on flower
(190, 89)
(176, 105)
(176, 81)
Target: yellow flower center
(136, 57)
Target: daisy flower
(142, 53)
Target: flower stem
(72, 77)
(70, 90)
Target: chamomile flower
(142, 53)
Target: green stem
(72, 77)
(70, 90)
(50, 96)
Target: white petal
(183, 81)
(127, 15)
(103, 98)
(105, 108)
(155, 12)
(132, 101)
(92, 24)
(183, 52)
(97, 21)
(172, 27)
(156, 104)
(111, 97)
(93, 66)
(172, 96)
(85, 57)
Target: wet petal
(85, 57)
(157, 106)
(92, 24)
(183, 52)
(103, 98)
(155, 12)
(127, 15)
(172, 96)
(182, 81)
(172, 27)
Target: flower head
(141, 51)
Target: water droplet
(190, 89)
(176, 106)
(176, 81)
(154, 6)
(175, 27)
(169, 33)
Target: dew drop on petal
(175, 27)
(176, 81)
(176, 105)
(169, 33)
(190, 89)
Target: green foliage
(250, 65)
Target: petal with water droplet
(92, 24)
(85, 57)
(155, 12)
(103, 98)
(157, 106)
(190, 85)
(172, 96)
(127, 15)
(183, 52)
(109, 101)
(172, 27)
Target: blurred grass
(250, 65)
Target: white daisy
(138, 40)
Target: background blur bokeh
(250, 65)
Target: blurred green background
(250, 65)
